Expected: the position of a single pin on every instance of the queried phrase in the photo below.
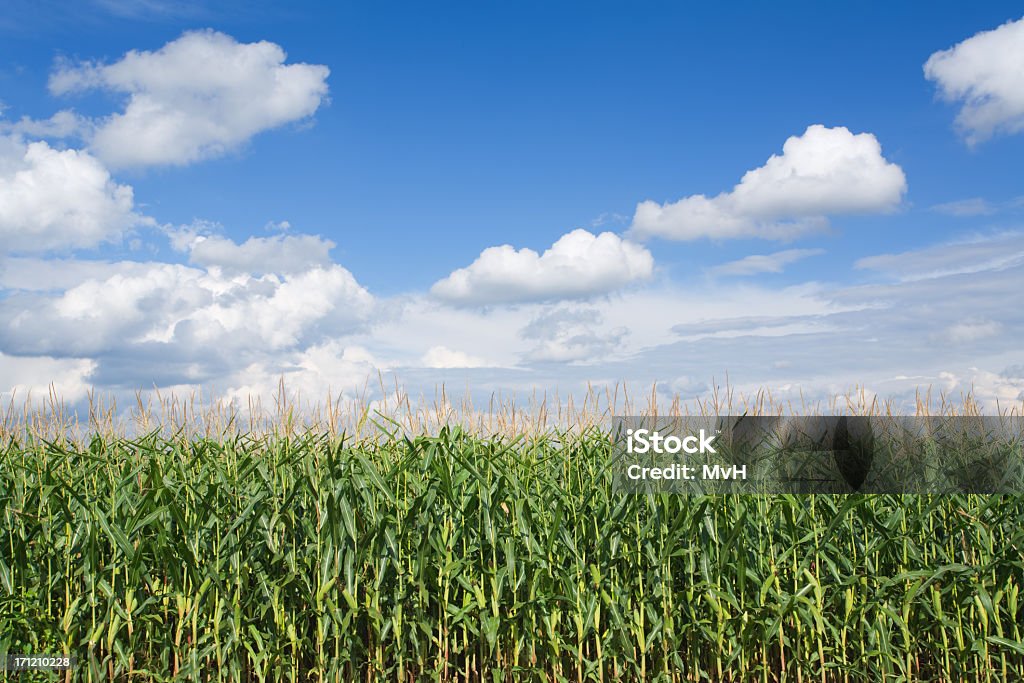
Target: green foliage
(456, 557)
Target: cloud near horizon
(823, 172)
(174, 324)
(442, 357)
(183, 327)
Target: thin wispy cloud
(974, 254)
(152, 9)
(755, 264)
(976, 206)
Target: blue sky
(443, 131)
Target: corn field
(311, 556)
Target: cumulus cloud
(199, 96)
(985, 73)
(277, 254)
(996, 391)
(825, 171)
(55, 199)
(329, 369)
(180, 322)
(764, 263)
(579, 264)
(32, 378)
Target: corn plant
(311, 556)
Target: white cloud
(54, 199)
(36, 274)
(443, 357)
(277, 312)
(1013, 372)
(975, 254)
(579, 264)
(572, 335)
(764, 263)
(548, 338)
(972, 330)
(995, 391)
(488, 333)
(277, 254)
(63, 124)
(175, 323)
(199, 96)
(688, 386)
(330, 369)
(725, 329)
(823, 172)
(277, 226)
(986, 73)
(32, 377)
(609, 218)
(975, 206)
